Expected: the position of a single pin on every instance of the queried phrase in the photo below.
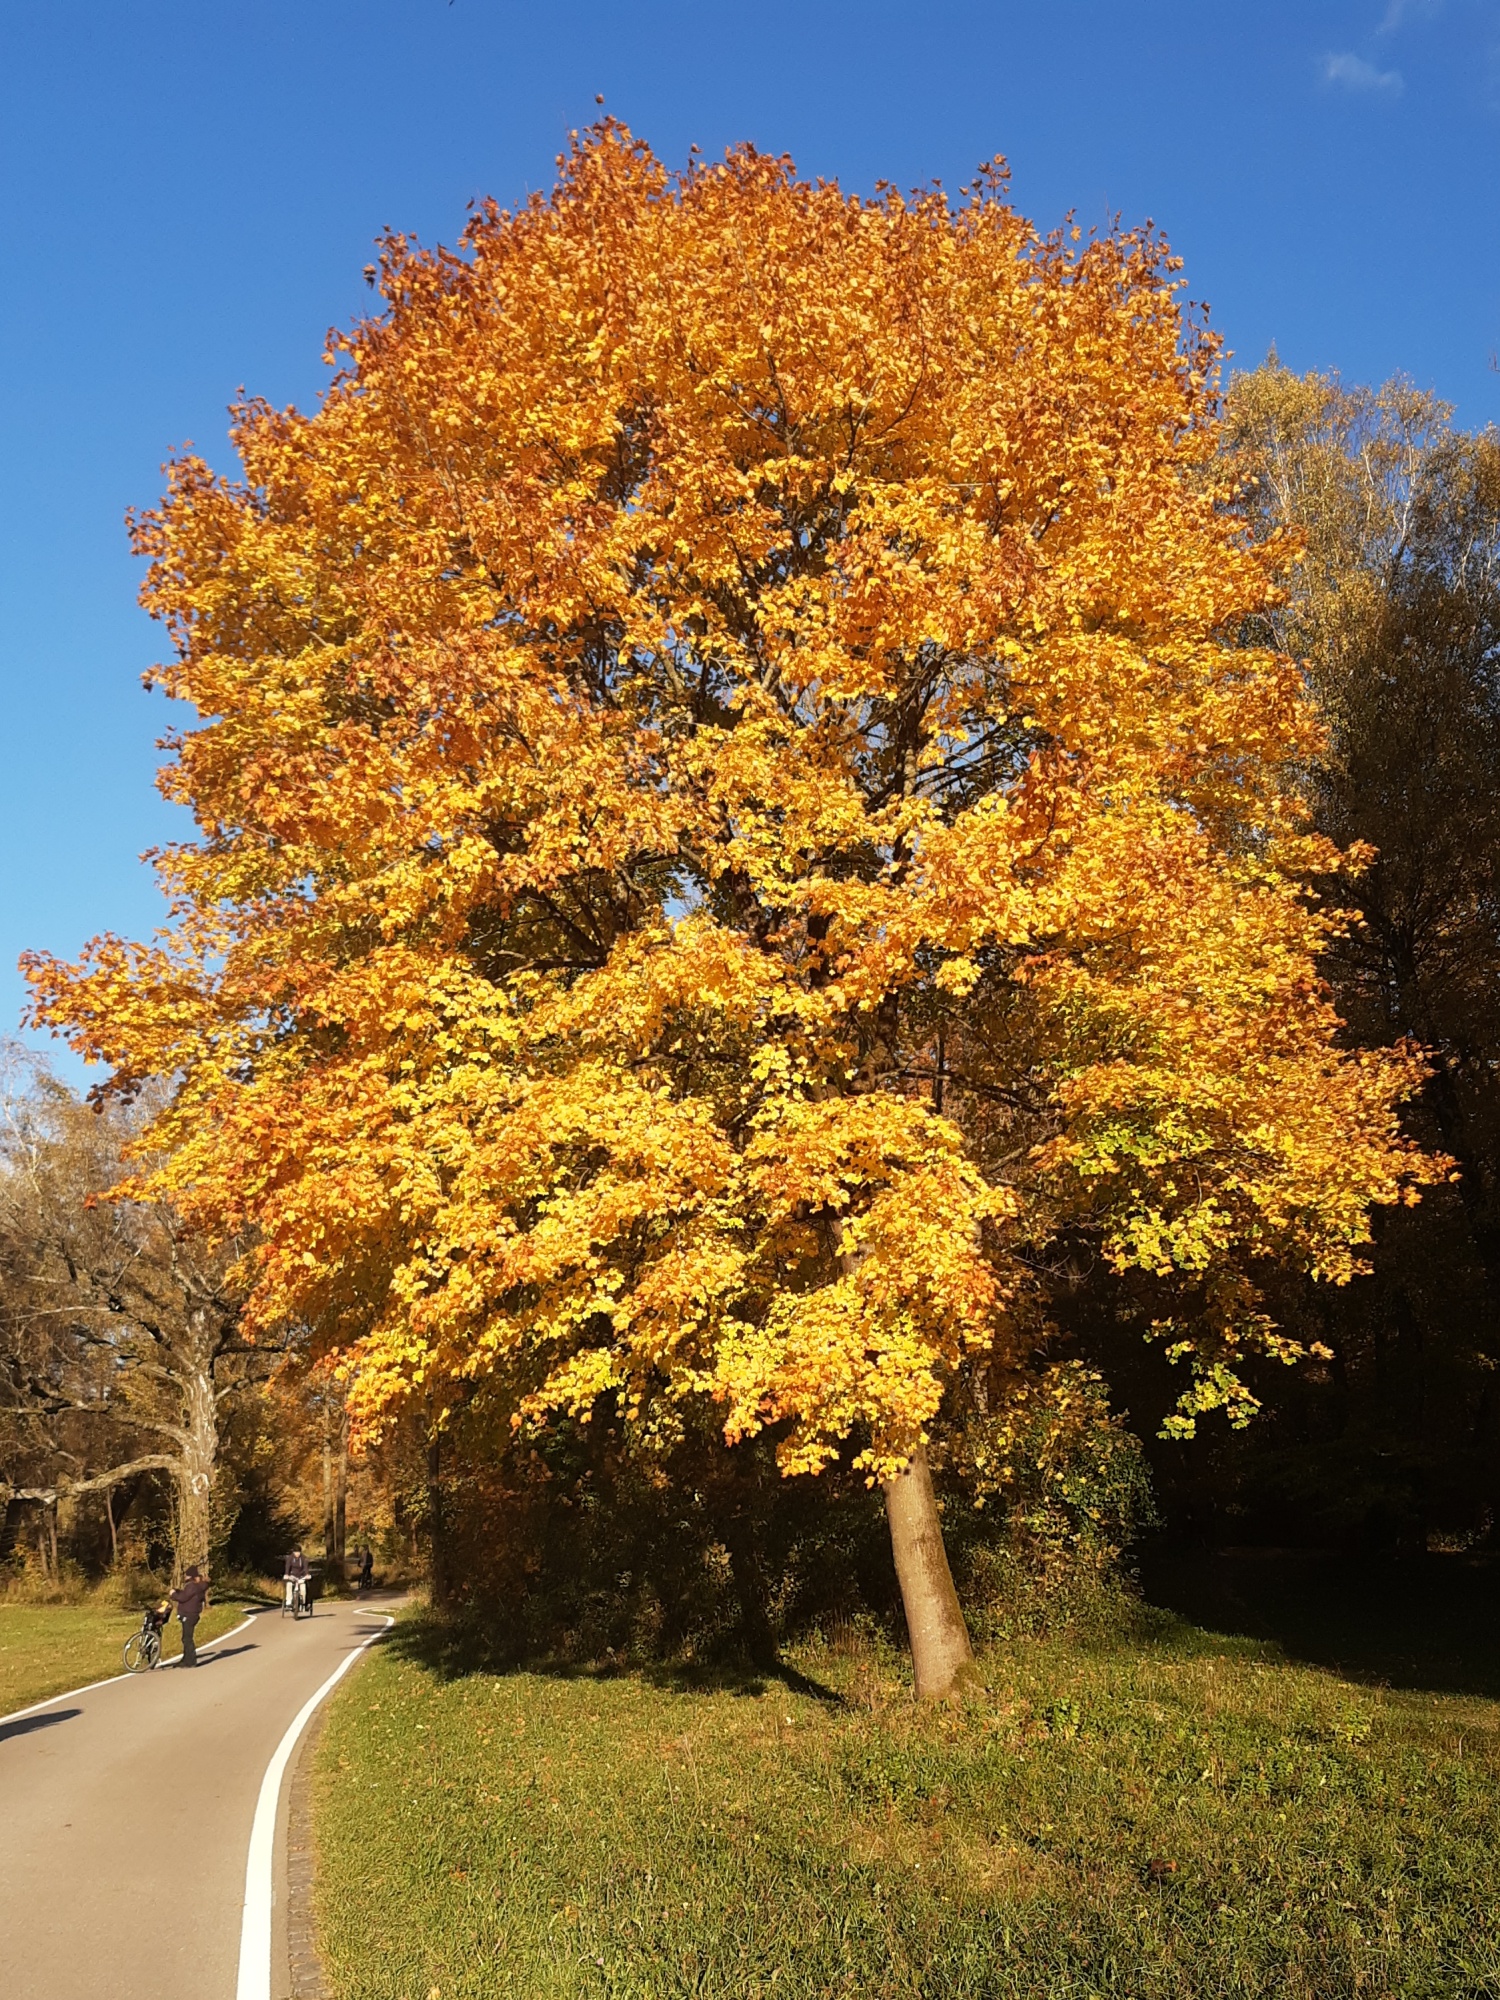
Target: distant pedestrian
(190, 1596)
(366, 1570)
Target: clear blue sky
(190, 192)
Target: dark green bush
(584, 1541)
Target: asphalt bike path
(126, 1814)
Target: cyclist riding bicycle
(294, 1583)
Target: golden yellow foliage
(732, 812)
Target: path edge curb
(256, 1971)
(306, 1979)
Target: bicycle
(294, 1597)
(143, 1648)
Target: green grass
(45, 1649)
(1181, 1816)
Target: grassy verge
(1182, 1816)
(47, 1648)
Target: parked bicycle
(143, 1648)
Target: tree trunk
(341, 1493)
(11, 1523)
(940, 1649)
(436, 1525)
(327, 1487)
(749, 1578)
(195, 1473)
(114, 1539)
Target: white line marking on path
(255, 1925)
(37, 1706)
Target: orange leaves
(729, 815)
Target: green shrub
(608, 1540)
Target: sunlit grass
(1178, 1817)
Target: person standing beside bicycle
(295, 1581)
(190, 1596)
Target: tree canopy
(735, 811)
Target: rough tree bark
(940, 1649)
(335, 1481)
(193, 1472)
(436, 1524)
(341, 1491)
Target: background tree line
(1394, 605)
(139, 1430)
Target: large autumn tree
(734, 812)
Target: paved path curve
(125, 1815)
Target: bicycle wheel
(151, 1647)
(137, 1658)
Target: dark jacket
(190, 1598)
(296, 1565)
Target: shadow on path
(207, 1659)
(29, 1722)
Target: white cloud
(1354, 73)
(1398, 12)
